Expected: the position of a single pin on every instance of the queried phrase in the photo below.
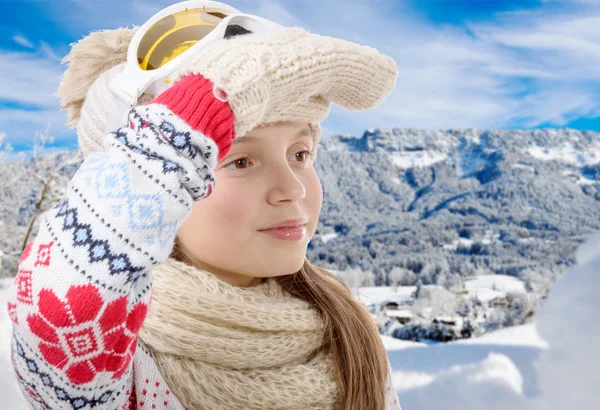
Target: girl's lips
(288, 233)
(288, 223)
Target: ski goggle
(173, 37)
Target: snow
(486, 239)
(411, 159)
(391, 343)
(524, 166)
(582, 180)
(378, 294)
(566, 153)
(328, 236)
(9, 390)
(470, 161)
(523, 335)
(578, 178)
(490, 237)
(550, 364)
(402, 313)
(464, 242)
(488, 287)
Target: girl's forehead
(278, 127)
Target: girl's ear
(89, 57)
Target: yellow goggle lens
(174, 34)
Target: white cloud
(49, 51)
(523, 69)
(19, 39)
(559, 105)
(566, 46)
(518, 69)
(33, 78)
(21, 126)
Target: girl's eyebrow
(302, 133)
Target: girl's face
(265, 179)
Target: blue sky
(512, 64)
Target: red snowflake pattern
(26, 252)
(12, 312)
(23, 283)
(83, 335)
(43, 254)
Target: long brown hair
(361, 363)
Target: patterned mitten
(192, 100)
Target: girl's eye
(236, 162)
(244, 160)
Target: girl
(173, 274)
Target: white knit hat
(96, 109)
(284, 75)
(83, 90)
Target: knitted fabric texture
(226, 347)
(96, 108)
(91, 56)
(84, 287)
(285, 75)
(193, 101)
(291, 74)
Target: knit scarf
(225, 347)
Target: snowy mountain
(458, 202)
(414, 208)
(434, 205)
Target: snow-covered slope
(551, 365)
(10, 395)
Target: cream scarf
(225, 347)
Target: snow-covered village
(463, 212)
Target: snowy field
(550, 365)
(484, 287)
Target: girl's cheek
(314, 188)
(232, 203)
